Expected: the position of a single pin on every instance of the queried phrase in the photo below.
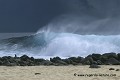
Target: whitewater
(63, 45)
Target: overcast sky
(98, 16)
(27, 15)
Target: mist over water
(99, 17)
(63, 45)
(88, 26)
(85, 27)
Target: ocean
(50, 44)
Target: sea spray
(64, 45)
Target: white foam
(68, 45)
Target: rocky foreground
(104, 59)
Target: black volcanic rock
(24, 58)
(117, 69)
(112, 69)
(1, 63)
(60, 62)
(12, 64)
(46, 63)
(112, 61)
(96, 56)
(110, 55)
(118, 56)
(87, 60)
(99, 62)
(94, 66)
(23, 63)
(37, 62)
(55, 59)
(103, 59)
(68, 61)
(76, 59)
(94, 62)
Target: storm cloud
(77, 16)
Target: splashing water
(65, 45)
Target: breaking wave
(61, 44)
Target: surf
(51, 44)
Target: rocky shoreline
(104, 59)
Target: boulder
(37, 73)
(99, 62)
(110, 55)
(94, 66)
(24, 58)
(103, 59)
(94, 62)
(11, 64)
(55, 59)
(76, 59)
(24, 63)
(60, 62)
(87, 61)
(46, 63)
(112, 69)
(1, 63)
(117, 69)
(68, 61)
(96, 57)
(32, 59)
(112, 61)
(118, 56)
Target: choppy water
(60, 44)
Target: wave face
(59, 44)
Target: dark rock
(68, 61)
(99, 62)
(55, 59)
(1, 63)
(74, 63)
(24, 63)
(5, 58)
(76, 59)
(110, 55)
(94, 62)
(15, 56)
(7, 62)
(87, 61)
(117, 69)
(112, 61)
(96, 57)
(11, 64)
(24, 58)
(46, 63)
(94, 66)
(61, 62)
(103, 59)
(111, 69)
(32, 59)
(118, 56)
(31, 64)
(39, 60)
(37, 73)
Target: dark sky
(27, 15)
(87, 16)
